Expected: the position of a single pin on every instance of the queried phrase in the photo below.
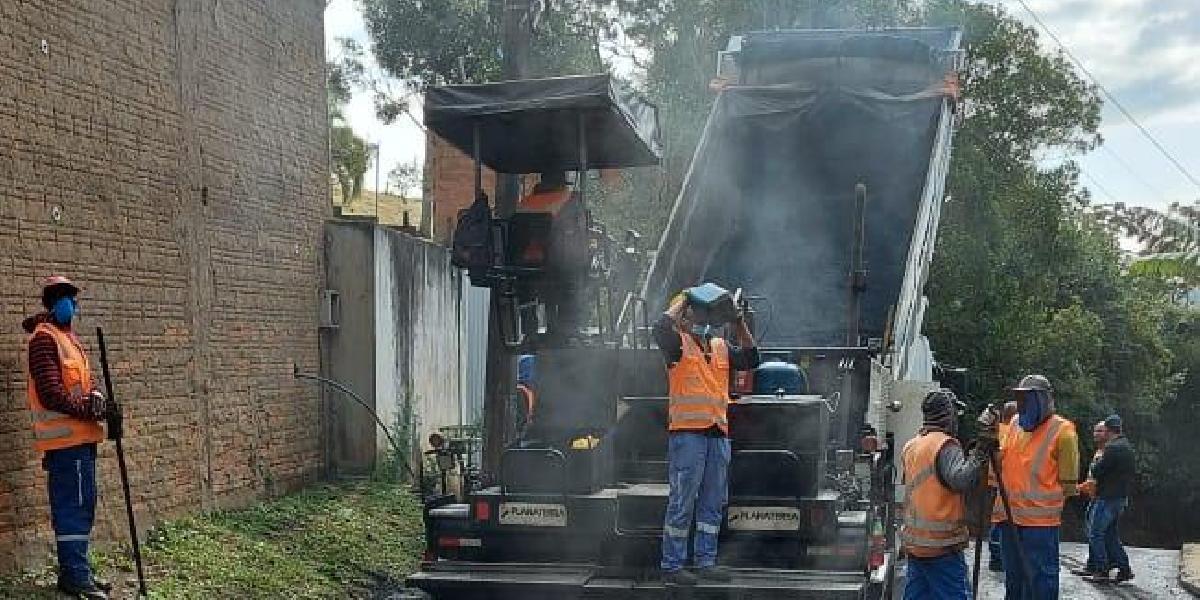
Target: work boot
(1098, 577)
(679, 577)
(104, 585)
(713, 574)
(1123, 575)
(88, 591)
(1083, 571)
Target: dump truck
(815, 189)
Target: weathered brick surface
(450, 184)
(185, 145)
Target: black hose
(342, 388)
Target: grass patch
(326, 542)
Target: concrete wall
(171, 156)
(407, 322)
(477, 304)
(349, 350)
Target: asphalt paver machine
(816, 189)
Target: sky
(402, 141)
(1145, 52)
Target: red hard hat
(55, 287)
(55, 280)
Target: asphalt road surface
(1156, 577)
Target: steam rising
(769, 204)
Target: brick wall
(450, 185)
(171, 156)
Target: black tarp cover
(532, 126)
(769, 204)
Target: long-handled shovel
(115, 433)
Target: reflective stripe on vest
(934, 516)
(53, 430)
(699, 387)
(1031, 478)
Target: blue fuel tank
(773, 376)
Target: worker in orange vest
(549, 195)
(66, 408)
(528, 404)
(1039, 464)
(564, 252)
(698, 453)
(937, 472)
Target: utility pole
(517, 22)
(377, 153)
(516, 18)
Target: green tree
(457, 41)
(681, 40)
(1169, 239)
(349, 155)
(405, 178)
(1172, 475)
(1023, 280)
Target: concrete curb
(1189, 568)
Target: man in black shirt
(1114, 474)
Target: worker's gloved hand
(989, 420)
(1087, 488)
(96, 405)
(988, 439)
(987, 445)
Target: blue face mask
(1032, 410)
(63, 311)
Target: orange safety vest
(699, 387)
(550, 202)
(54, 430)
(1029, 470)
(934, 516)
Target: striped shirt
(46, 371)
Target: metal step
(462, 580)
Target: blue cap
(1113, 421)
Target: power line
(1095, 182)
(1117, 103)
(991, 151)
(1132, 171)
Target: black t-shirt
(667, 338)
(671, 345)
(1116, 469)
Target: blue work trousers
(996, 554)
(71, 481)
(697, 469)
(940, 578)
(1041, 550)
(1104, 538)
